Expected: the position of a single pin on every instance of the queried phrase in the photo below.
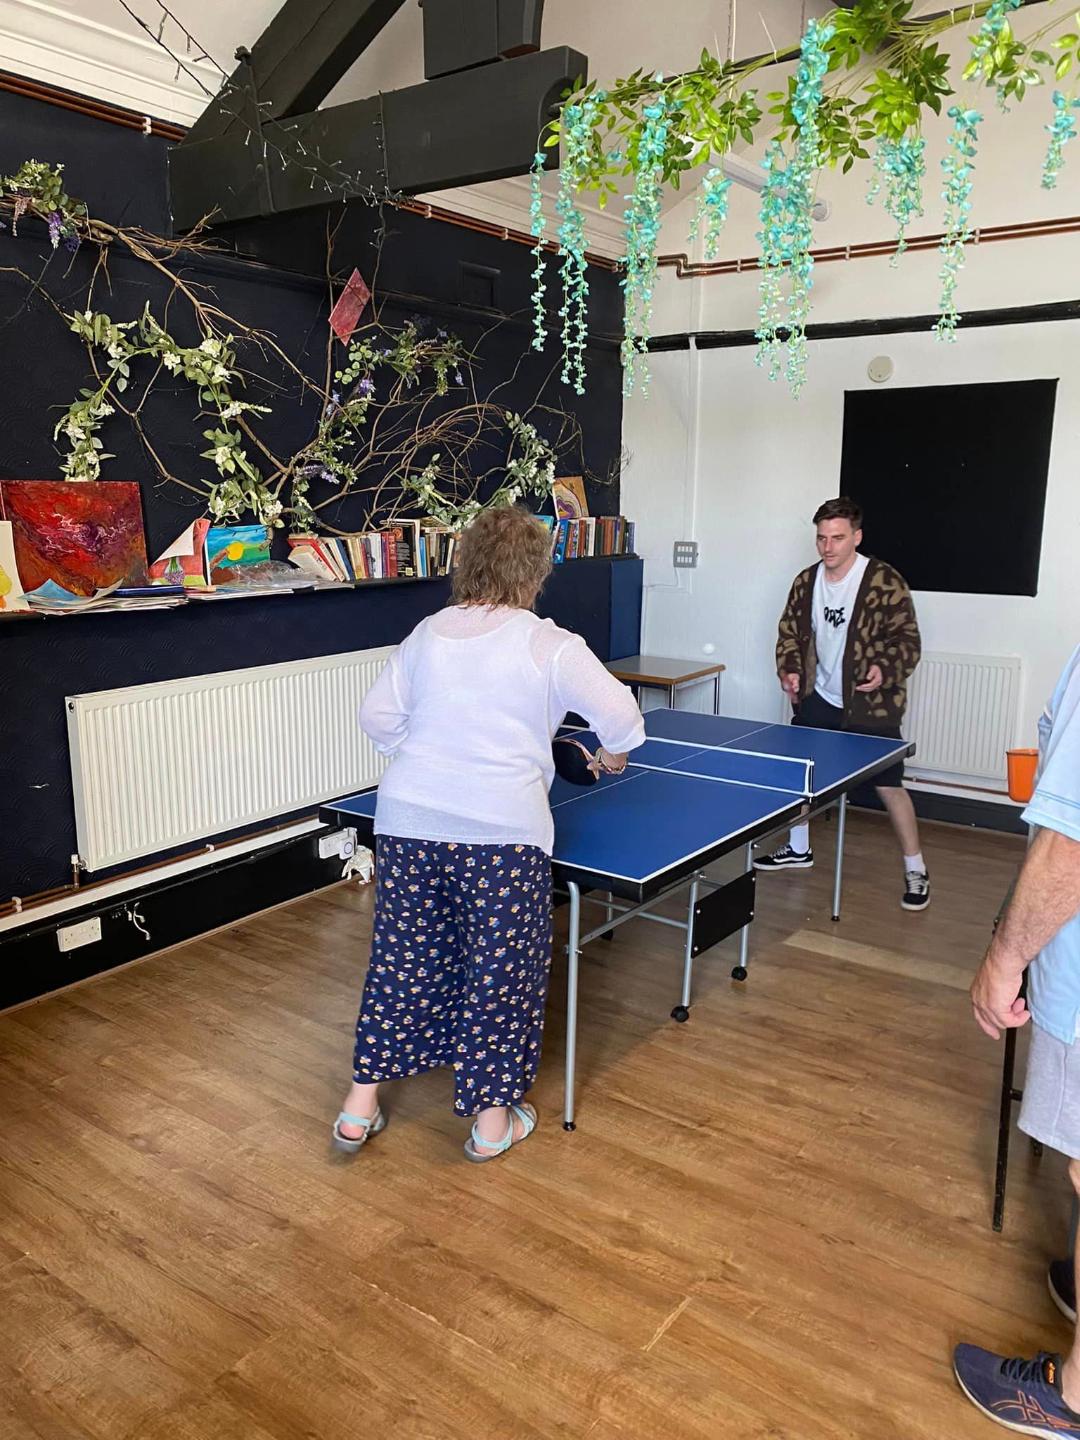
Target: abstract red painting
(82, 535)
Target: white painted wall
(722, 456)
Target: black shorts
(818, 714)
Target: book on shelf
(411, 549)
(590, 537)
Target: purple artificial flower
(366, 388)
(71, 241)
(56, 225)
(458, 378)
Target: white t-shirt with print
(833, 604)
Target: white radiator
(962, 714)
(156, 766)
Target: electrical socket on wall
(84, 932)
(685, 555)
(340, 843)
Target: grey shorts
(1051, 1107)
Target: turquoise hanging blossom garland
(642, 217)
(774, 239)
(712, 207)
(538, 229)
(957, 166)
(802, 175)
(901, 165)
(578, 121)
(786, 226)
(1061, 130)
(992, 52)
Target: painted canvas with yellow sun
(231, 546)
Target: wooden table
(665, 674)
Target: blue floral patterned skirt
(460, 954)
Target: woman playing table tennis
(466, 708)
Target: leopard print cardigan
(883, 631)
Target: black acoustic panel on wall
(952, 481)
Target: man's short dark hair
(840, 509)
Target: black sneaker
(785, 859)
(1061, 1282)
(916, 890)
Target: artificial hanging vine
(774, 239)
(901, 164)
(1061, 130)
(642, 232)
(538, 229)
(801, 176)
(957, 166)
(578, 121)
(712, 207)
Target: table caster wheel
(739, 972)
(569, 1125)
(681, 1014)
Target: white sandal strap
(499, 1147)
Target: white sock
(914, 862)
(800, 839)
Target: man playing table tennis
(847, 646)
(466, 709)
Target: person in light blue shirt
(1041, 930)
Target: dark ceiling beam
(479, 124)
(297, 61)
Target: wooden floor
(771, 1222)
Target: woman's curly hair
(502, 558)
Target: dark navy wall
(273, 280)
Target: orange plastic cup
(1022, 765)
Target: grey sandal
(479, 1151)
(349, 1144)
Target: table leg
(716, 694)
(682, 1010)
(838, 876)
(739, 972)
(572, 953)
(671, 697)
(1008, 1095)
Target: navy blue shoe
(1023, 1395)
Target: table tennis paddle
(574, 761)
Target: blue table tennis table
(699, 788)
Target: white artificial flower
(210, 346)
(219, 373)
(221, 454)
(171, 362)
(231, 411)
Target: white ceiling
(617, 35)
